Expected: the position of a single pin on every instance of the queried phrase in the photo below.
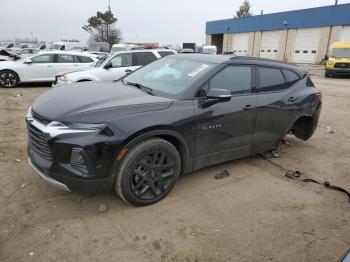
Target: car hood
(93, 102)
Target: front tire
(148, 172)
(327, 74)
(8, 79)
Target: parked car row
(43, 67)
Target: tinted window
(291, 77)
(122, 60)
(236, 79)
(165, 53)
(85, 59)
(145, 58)
(65, 59)
(42, 59)
(271, 79)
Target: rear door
(41, 69)
(276, 106)
(224, 131)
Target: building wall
(257, 43)
(286, 44)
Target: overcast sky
(160, 21)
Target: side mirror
(326, 57)
(27, 61)
(215, 96)
(108, 65)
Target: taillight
(318, 97)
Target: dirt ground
(255, 214)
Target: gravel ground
(255, 214)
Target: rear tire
(148, 172)
(8, 79)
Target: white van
(61, 45)
(122, 47)
(210, 49)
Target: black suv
(173, 116)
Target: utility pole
(336, 2)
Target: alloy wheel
(152, 175)
(8, 79)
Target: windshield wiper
(143, 88)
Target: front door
(224, 131)
(40, 69)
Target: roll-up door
(270, 41)
(240, 44)
(345, 34)
(306, 45)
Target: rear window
(144, 58)
(85, 59)
(165, 53)
(270, 79)
(291, 77)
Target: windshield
(340, 52)
(169, 76)
(100, 62)
(55, 47)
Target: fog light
(76, 157)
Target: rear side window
(291, 77)
(236, 79)
(165, 53)
(85, 59)
(270, 79)
(65, 59)
(144, 58)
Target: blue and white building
(300, 36)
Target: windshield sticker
(197, 70)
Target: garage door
(270, 41)
(306, 45)
(240, 44)
(345, 34)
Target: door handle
(248, 107)
(128, 71)
(292, 99)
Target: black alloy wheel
(148, 172)
(8, 79)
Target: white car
(115, 66)
(43, 67)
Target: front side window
(144, 58)
(65, 59)
(270, 79)
(42, 59)
(122, 60)
(236, 79)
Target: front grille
(38, 142)
(40, 118)
(342, 65)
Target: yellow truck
(338, 60)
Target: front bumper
(49, 155)
(338, 71)
(48, 179)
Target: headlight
(63, 78)
(85, 126)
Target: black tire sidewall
(14, 74)
(123, 186)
